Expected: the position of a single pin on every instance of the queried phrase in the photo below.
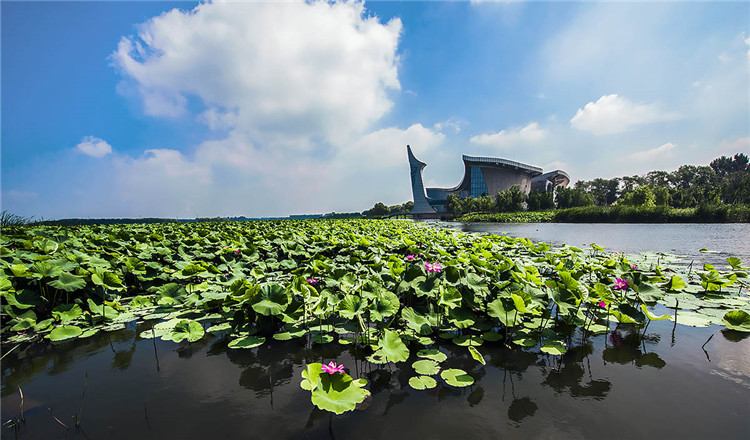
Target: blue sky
(133, 109)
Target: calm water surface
(725, 239)
(607, 386)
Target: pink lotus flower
(410, 257)
(433, 267)
(312, 281)
(602, 304)
(237, 252)
(621, 284)
(634, 267)
(332, 368)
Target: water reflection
(517, 382)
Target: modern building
(482, 175)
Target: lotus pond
(241, 330)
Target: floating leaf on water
(737, 320)
(456, 377)
(337, 393)
(247, 342)
(554, 347)
(64, 332)
(598, 328)
(344, 340)
(432, 353)
(692, 319)
(422, 382)
(492, 336)
(187, 330)
(467, 340)
(426, 367)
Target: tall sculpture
(421, 204)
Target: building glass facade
(477, 182)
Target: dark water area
(685, 239)
(606, 386)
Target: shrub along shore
(620, 214)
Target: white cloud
(527, 135)
(613, 114)
(665, 151)
(452, 122)
(741, 145)
(293, 69)
(93, 146)
(387, 147)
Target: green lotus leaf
(247, 342)
(25, 299)
(271, 300)
(107, 312)
(66, 312)
(170, 290)
(220, 328)
(675, 283)
(693, 319)
(467, 340)
(187, 329)
(422, 382)
(43, 326)
(140, 301)
(492, 336)
(432, 353)
(351, 306)
(737, 320)
(416, 321)
(456, 377)
(26, 320)
(65, 332)
(193, 269)
(504, 313)
(461, 318)
(651, 316)
(68, 282)
(554, 347)
(338, 393)
(392, 347)
(426, 367)
(43, 269)
(476, 355)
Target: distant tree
(640, 196)
(661, 195)
(572, 197)
(453, 204)
(540, 200)
(484, 203)
(510, 200)
(379, 210)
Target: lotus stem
(20, 407)
(707, 341)
(80, 406)
(58, 420)
(8, 352)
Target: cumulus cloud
(321, 69)
(94, 147)
(529, 134)
(665, 151)
(387, 147)
(613, 114)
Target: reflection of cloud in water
(730, 361)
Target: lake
(615, 385)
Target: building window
(478, 187)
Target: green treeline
(718, 192)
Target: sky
(187, 109)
